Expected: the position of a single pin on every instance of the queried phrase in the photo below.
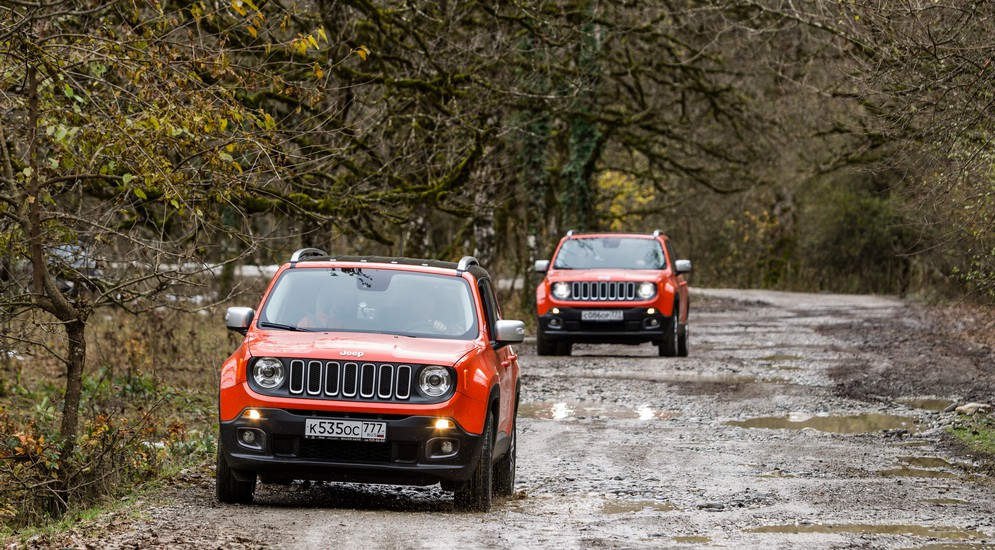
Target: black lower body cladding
(636, 327)
(412, 454)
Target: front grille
(363, 381)
(603, 291)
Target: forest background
(149, 150)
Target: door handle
(506, 362)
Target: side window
(490, 304)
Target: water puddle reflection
(563, 410)
(850, 424)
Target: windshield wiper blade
(282, 326)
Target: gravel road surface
(747, 443)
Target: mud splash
(939, 532)
(852, 424)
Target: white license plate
(359, 430)
(601, 315)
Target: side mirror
(239, 319)
(541, 266)
(682, 266)
(509, 332)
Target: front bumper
(405, 458)
(637, 326)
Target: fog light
(650, 322)
(251, 438)
(556, 322)
(556, 311)
(253, 414)
(443, 424)
(446, 447)
(651, 311)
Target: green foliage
(853, 239)
(977, 432)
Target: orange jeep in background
(612, 288)
(372, 370)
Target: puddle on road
(694, 539)
(925, 462)
(939, 532)
(915, 472)
(570, 410)
(851, 424)
(781, 357)
(945, 501)
(613, 507)
(926, 403)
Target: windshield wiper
(281, 326)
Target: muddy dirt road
(744, 444)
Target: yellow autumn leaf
(318, 73)
(362, 52)
(312, 41)
(252, 31)
(238, 6)
(321, 34)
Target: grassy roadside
(977, 434)
(148, 412)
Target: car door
(680, 280)
(505, 360)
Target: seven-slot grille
(603, 291)
(350, 380)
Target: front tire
(476, 494)
(544, 346)
(504, 470)
(668, 347)
(564, 348)
(682, 340)
(231, 489)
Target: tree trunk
(585, 139)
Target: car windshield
(371, 300)
(610, 253)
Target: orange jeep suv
(372, 370)
(613, 288)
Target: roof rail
(306, 253)
(465, 262)
(570, 233)
(656, 233)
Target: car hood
(634, 275)
(355, 346)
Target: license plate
(358, 430)
(601, 315)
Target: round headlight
(434, 381)
(268, 373)
(646, 290)
(561, 290)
